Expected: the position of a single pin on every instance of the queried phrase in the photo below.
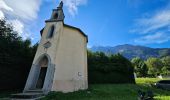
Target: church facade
(60, 63)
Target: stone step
(25, 96)
(34, 91)
(38, 98)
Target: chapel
(60, 62)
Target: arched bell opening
(55, 16)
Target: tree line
(151, 67)
(109, 69)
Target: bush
(109, 69)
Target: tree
(166, 64)
(140, 67)
(109, 69)
(155, 66)
(16, 57)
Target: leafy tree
(16, 57)
(155, 66)
(166, 64)
(140, 67)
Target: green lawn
(107, 92)
(112, 92)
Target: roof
(76, 29)
(41, 31)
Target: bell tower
(57, 14)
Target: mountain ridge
(131, 51)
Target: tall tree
(140, 67)
(166, 64)
(155, 66)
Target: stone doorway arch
(41, 74)
(43, 64)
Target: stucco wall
(51, 51)
(71, 62)
(68, 59)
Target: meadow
(107, 92)
(113, 92)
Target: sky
(106, 22)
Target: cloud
(23, 9)
(17, 25)
(160, 20)
(72, 5)
(153, 28)
(2, 15)
(158, 37)
(4, 6)
(19, 13)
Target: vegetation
(16, 56)
(166, 65)
(109, 69)
(140, 67)
(112, 92)
(152, 67)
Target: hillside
(131, 51)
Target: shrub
(109, 69)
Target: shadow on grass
(7, 93)
(159, 94)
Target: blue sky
(107, 23)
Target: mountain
(131, 51)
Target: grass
(112, 92)
(107, 92)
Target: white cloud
(158, 37)
(17, 25)
(4, 6)
(159, 20)
(19, 13)
(2, 15)
(23, 9)
(72, 5)
(153, 28)
(22, 12)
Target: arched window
(50, 32)
(55, 16)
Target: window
(55, 16)
(50, 32)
